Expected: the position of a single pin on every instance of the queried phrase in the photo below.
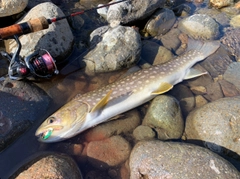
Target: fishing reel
(38, 64)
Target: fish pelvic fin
(193, 73)
(102, 103)
(163, 88)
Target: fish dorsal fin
(102, 103)
(193, 73)
(163, 88)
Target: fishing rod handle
(32, 25)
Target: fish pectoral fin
(102, 103)
(119, 116)
(163, 88)
(193, 73)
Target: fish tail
(205, 47)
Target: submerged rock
(54, 166)
(156, 159)
(165, 117)
(57, 39)
(232, 74)
(10, 7)
(200, 26)
(120, 47)
(221, 3)
(217, 125)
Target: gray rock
(232, 74)
(160, 22)
(231, 42)
(52, 165)
(57, 39)
(214, 92)
(10, 7)
(235, 21)
(21, 104)
(143, 133)
(228, 89)
(200, 26)
(165, 117)
(216, 124)
(156, 159)
(131, 11)
(120, 47)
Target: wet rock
(164, 116)
(57, 39)
(217, 63)
(54, 166)
(228, 89)
(120, 47)
(214, 92)
(185, 97)
(143, 133)
(200, 26)
(200, 101)
(235, 21)
(232, 42)
(232, 74)
(136, 10)
(221, 3)
(21, 105)
(156, 159)
(199, 90)
(155, 54)
(10, 7)
(217, 125)
(124, 125)
(160, 22)
(108, 152)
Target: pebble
(228, 89)
(11, 7)
(200, 101)
(54, 166)
(165, 117)
(143, 133)
(112, 151)
(216, 124)
(214, 92)
(235, 21)
(57, 39)
(221, 3)
(232, 74)
(156, 159)
(200, 26)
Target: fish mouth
(47, 131)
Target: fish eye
(51, 120)
(47, 134)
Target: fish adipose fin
(193, 73)
(102, 103)
(163, 88)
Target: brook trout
(95, 107)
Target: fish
(98, 106)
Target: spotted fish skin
(98, 106)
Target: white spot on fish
(162, 72)
(152, 76)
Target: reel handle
(32, 25)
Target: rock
(231, 42)
(108, 152)
(200, 101)
(228, 89)
(214, 92)
(21, 105)
(160, 22)
(136, 10)
(119, 48)
(125, 125)
(57, 39)
(54, 166)
(155, 54)
(221, 3)
(33, 3)
(185, 97)
(199, 90)
(164, 116)
(200, 26)
(156, 159)
(235, 21)
(143, 133)
(216, 124)
(217, 63)
(232, 74)
(10, 7)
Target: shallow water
(26, 147)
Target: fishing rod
(40, 63)
(41, 23)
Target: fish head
(64, 123)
